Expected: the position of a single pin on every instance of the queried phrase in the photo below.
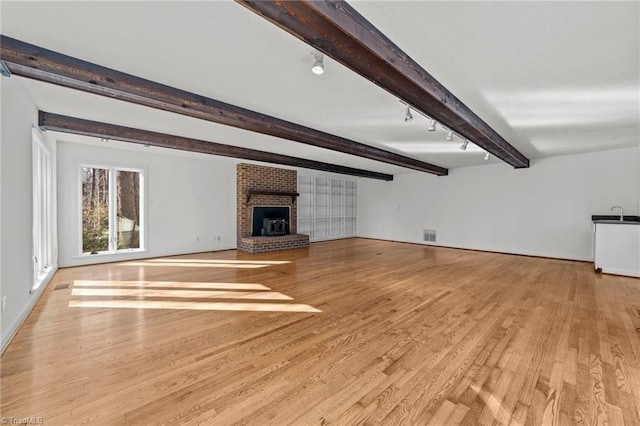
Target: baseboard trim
(20, 320)
(624, 272)
(484, 250)
(137, 256)
(319, 240)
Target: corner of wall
(14, 327)
(19, 116)
(541, 211)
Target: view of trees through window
(128, 209)
(95, 209)
(105, 228)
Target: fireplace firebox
(271, 227)
(270, 220)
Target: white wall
(191, 199)
(19, 115)
(544, 210)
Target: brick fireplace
(261, 186)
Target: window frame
(42, 210)
(112, 168)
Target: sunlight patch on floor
(198, 265)
(192, 294)
(144, 295)
(493, 409)
(215, 261)
(208, 306)
(170, 284)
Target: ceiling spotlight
(449, 137)
(408, 117)
(104, 139)
(487, 155)
(318, 65)
(432, 125)
(463, 147)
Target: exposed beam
(78, 126)
(340, 32)
(35, 62)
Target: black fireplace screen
(274, 224)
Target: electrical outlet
(4, 303)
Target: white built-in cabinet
(326, 207)
(617, 248)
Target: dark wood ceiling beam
(78, 126)
(340, 32)
(35, 62)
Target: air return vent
(429, 235)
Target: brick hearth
(265, 244)
(253, 177)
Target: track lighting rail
(340, 32)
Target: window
(111, 209)
(42, 211)
(326, 207)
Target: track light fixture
(408, 116)
(432, 125)
(318, 65)
(487, 155)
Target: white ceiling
(552, 78)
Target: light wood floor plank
(381, 333)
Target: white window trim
(42, 211)
(115, 254)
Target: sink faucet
(621, 212)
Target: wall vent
(429, 235)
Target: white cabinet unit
(617, 248)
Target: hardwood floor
(346, 332)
